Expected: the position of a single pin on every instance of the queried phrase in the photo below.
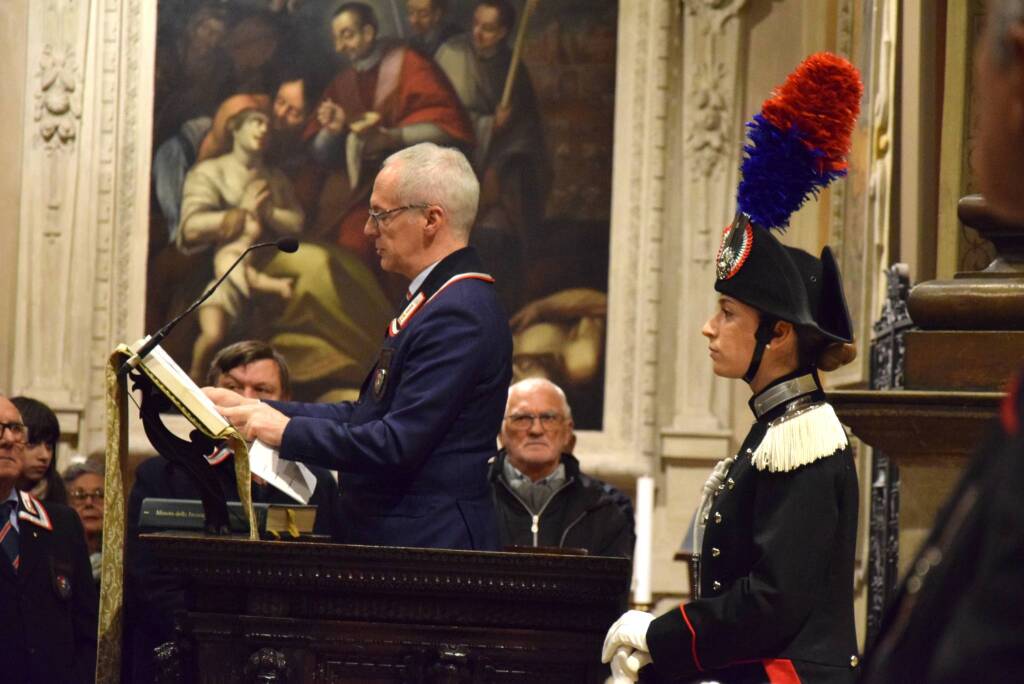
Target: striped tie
(9, 535)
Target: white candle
(644, 530)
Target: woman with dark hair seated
(39, 477)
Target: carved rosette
(58, 102)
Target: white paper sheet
(290, 477)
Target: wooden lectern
(969, 342)
(260, 611)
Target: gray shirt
(534, 494)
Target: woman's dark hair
(43, 428)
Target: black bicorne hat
(785, 283)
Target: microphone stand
(284, 244)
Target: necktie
(9, 535)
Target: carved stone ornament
(267, 665)
(707, 141)
(167, 658)
(717, 11)
(59, 99)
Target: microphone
(285, 244)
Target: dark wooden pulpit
(967, 341)
(293, 611)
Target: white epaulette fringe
(799, 438)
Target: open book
(290, 477)
(176, 384)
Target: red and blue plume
(798, 142)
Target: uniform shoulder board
(800, 437)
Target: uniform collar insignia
(31, 510)
(219, 455)
(783, 393)
(459, 265)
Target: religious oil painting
(271, 119)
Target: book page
(290, 477)
(185, 393)
(191, 387)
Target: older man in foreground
(413, 450)
(47, 596)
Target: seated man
(253, 369)
(47, 597)
(542, 497)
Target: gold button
(731, 482)
(854, 661)
(718, 517)
(716, 585)
(715, 552)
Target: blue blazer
(412, 451)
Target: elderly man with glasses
(413, 450)
(541, 496)
(47, 597)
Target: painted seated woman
(321, 307)
(777, 524)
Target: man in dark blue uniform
(413, 450)
(47, 596)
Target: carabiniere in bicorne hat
(795, 146)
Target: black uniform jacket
(776, 579)
(412, 452)
(959, 614)
(48, 608)
(582, 514)
(152, 597)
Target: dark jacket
(151, 597)
(413, 450)
(582, 514)
(48, 609)
(959, 614)
(776, 579)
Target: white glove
(626, 664)
(629, 630)
(717, 476)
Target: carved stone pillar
(701, 203)
(81, 255)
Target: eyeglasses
(82, 495)
(19, 431)
(549, 420)
(378, 216)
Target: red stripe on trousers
(693, 640)
(781, 671)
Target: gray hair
(1002, 15)
(77, 470)
(431, 174)
(535, 383)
